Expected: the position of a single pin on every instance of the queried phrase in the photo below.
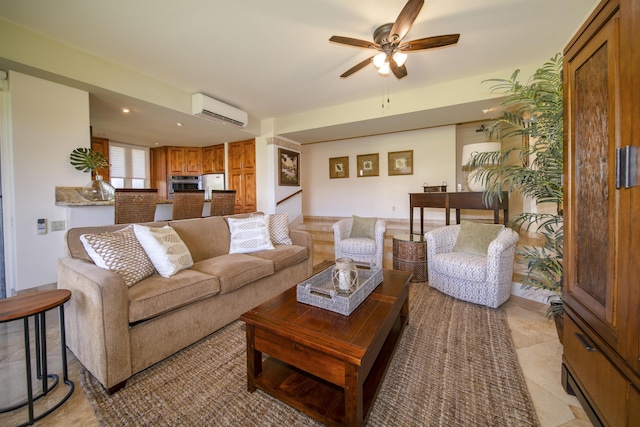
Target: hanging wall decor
(401, 163)
(289, 167)
(368, 165)
(339, 167)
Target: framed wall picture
(368, 165)
(289, 167)
(401, 163)
(339, 167)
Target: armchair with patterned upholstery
(364, 243)
(467, 274)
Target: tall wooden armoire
(601, 355)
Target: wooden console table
(457, 201)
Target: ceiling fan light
(379, 59)
(399, 58)
(384, 69)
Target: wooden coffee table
(322, 363)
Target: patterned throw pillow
(279, 229)
(121, 252)
(165, 249)
(249, 234)
(475, 237)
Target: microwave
(184, 183)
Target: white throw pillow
(249, 234)
(279, 229)
(119, 251)
(165, 249)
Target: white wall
(47, 121)
(434, 161)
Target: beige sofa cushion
(156, 295)
(284, 255)
(235, 270)
(75, 247)
(205, 237)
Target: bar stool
(223, 202)
(187, 204)
(135, 205)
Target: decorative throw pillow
(121, 252)
(363, 227)
(475, 237)
(249, 234)
(279, 229)
(165, 249)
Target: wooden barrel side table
(36, 304)
(410, 254)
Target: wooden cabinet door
(242, 174)
(591, 198)
(159, 174)
(208, 160)
(175, 160)
(101, 145)
(218, 158)
(192, 161)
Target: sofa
(116, 330)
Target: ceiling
(273, 58)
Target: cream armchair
(360, 249)
(484, 280)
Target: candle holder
(345, 276)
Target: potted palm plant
(88, 160)
(534, 112)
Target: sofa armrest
(97, 319)
(304, 238)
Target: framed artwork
(401, 163)
(289, 167)
(339, 167)
(368, 165)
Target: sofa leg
(117, 387)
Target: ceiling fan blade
(405, 20)
(399, 72)
(430, 42)
(357, 67)
(353, 42)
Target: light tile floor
(534, 337)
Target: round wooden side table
(410, 254)
(36, 304)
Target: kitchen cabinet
(242, 174)
(601, 355)
(184, 160)
(169, 161)
(213, 159)
(101, 145)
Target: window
(129, 165)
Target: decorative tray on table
(319, 291)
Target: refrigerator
(212, 181)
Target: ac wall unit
(212, 109)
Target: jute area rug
(455, 365)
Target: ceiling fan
(387, 39)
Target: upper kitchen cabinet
(213, 159)
(184, 160)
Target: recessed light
(486, 110)
(179, 124)
(125, 110)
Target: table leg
(496, 216)
(27, 356)
(410, 219)
(353, 404)
(254, 360)
(421, 221)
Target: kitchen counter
(70, 196)
(85, 213)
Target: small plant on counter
(88, 160)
